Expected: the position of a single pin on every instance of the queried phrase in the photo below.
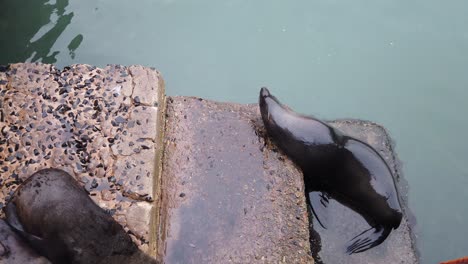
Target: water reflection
(74, 44)
(29, 29)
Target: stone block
(100, 125)
(227, 197)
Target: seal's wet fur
(55, 215)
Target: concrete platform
(228, 198)
(100, 125)
(222, 192)
(231, 196)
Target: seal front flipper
(318, 202)
(368, 239)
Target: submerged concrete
(227, 197)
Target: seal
(55, 215)
(336, 166)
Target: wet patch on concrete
(328, 245)
(99, 125)
(227, 197)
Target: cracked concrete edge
(155, 220)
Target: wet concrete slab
(227, 196)
(231, 196)
(99, 125)
(328, 245)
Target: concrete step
(222, 177)
(99, 125)
(227, 198)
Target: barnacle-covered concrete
(227, 197)
(99, 125)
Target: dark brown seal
(336, 166)
(55, 215)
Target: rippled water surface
(400, 63)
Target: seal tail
(367, 239)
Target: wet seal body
(337, 166)
(55, 215)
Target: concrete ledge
(100, 125)
(227, 197)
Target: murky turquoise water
(400, 63)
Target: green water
(400, 63)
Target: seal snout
(264, 92)
(262, 101)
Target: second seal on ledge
(337, 166)
(55, 215)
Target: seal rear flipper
(368, 239)
(13, 221)
(53, 250)
(12, 218)
(318, 202)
